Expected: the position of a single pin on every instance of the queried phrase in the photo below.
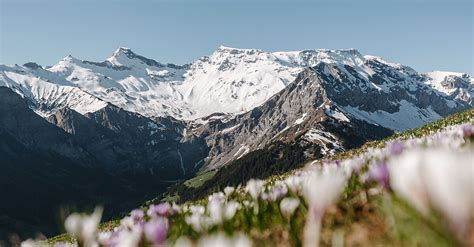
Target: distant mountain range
(122, 130)
(229, 81)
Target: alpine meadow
(236, 123)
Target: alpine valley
(129, 129)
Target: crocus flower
(137, 216)
(197, 209)
(195, 221)
(156, 230)
(219, 196)
(108, 238)
(130, 237)
(437, 179)
(127, 222)
(230, 209)
(254, 188)
(467, 130)
(162, 209)
(395, 148)
(288, 206)
(380, 173)
(84, 227)
(293, 183)
(229, 190)
(215, 210)
(320, 189)
(278, 191)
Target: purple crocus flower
(161, 209)
(380, 173)
(467, 130)
(395, 148)
(357, 164)
(137, 216)
(156, 230)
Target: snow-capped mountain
(218, 96)
(328, 108)
(229, 81)
(134, 125)
(46, 91)
(127, 80)
(460, 86)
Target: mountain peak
(232, 50)
(70, 59)
(124, 55)
(123, 50)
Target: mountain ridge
(237, 79)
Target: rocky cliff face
(44, 169)
(127, 142)
(300, 111)
(110, 157)
(332, 106)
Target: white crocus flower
(84, 227)
(254, 188)
(294, 183)
(215, 210)
(230, 209)
(127, 222)
(440, 179)
(197, 209)
(288, 206)
(130, 238)
(195, 220)
(229, 190)
(219, 196)
(320, 189)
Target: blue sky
(426, 35)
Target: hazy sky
(427, 35)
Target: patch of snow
(336, 114)
(323, 138)
(230, 129)
(301, 119)
(160, 73)
(408, 116)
